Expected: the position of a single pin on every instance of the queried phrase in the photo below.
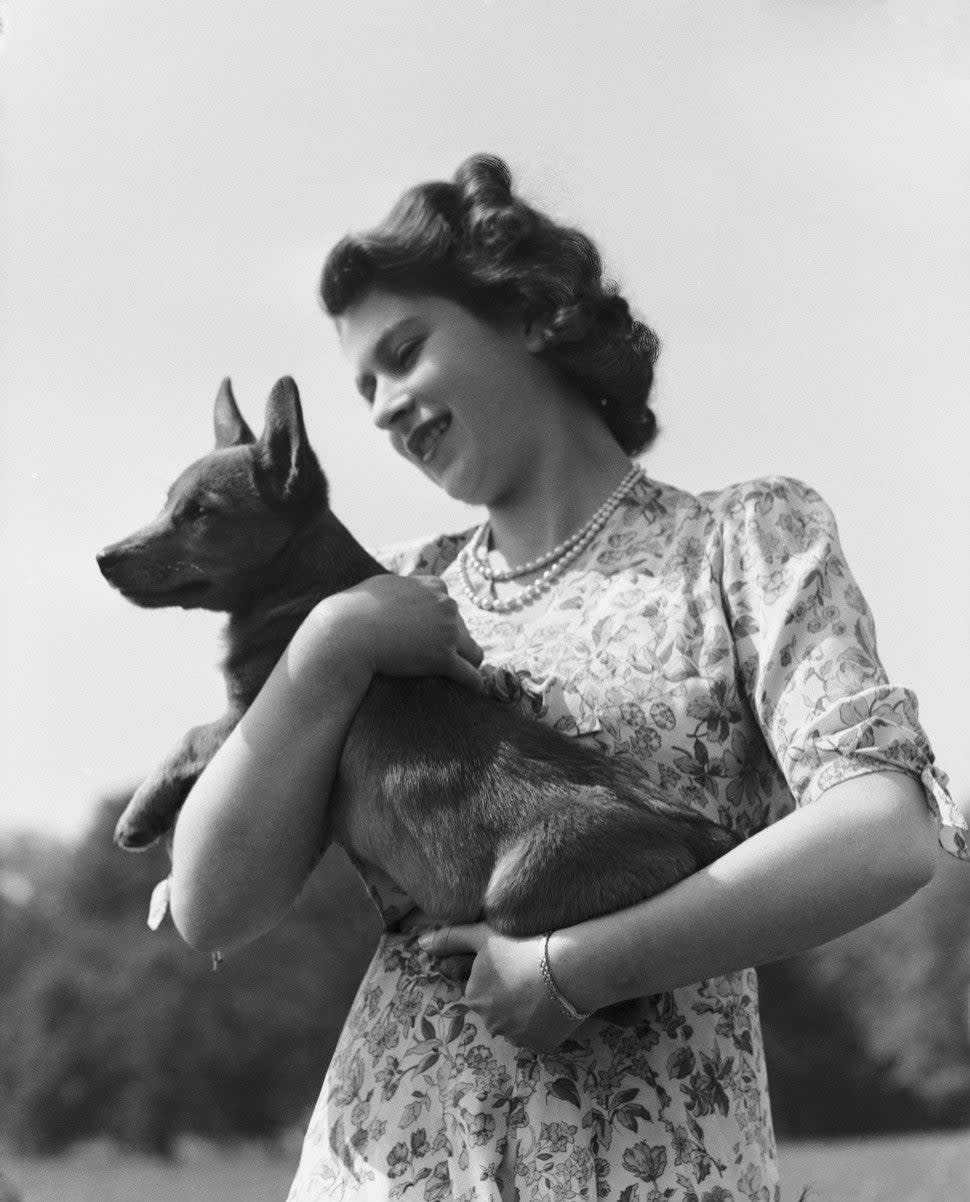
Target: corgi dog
(474, 809)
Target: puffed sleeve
(807, 656)
(421, 557)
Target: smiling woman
(718, 640)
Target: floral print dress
(721, 641)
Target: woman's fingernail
(424, 941)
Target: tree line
(109, 1030)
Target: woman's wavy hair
(475, 242)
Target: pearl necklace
(554, 562)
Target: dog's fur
(474, 809)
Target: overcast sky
(781, 188)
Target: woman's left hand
(505, 985)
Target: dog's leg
(156, 802)
(591, 855)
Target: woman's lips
(423, 441)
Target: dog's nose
(107, 559)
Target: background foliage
(108, 1030)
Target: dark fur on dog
(471, 807)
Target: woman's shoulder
(422, 556)
(744, 504)
(780, 511)
(760, 495)
(761, 492)
(731, 504)
(777, 511)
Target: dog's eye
(191, 511)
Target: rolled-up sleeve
(807, 655)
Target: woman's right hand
(393, 625)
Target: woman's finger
(468, 648)
(448, 940)
(460, 669)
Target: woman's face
(455, 393)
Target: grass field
(914, 1168)
(924, 1168)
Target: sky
(781, 189)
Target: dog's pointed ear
(284, 449)
(230, 425)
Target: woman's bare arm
(248, 831)
(860, 850)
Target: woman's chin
(454, 489)
(451, 479)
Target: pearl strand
(554, 562)
(476, 549)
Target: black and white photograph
(485, 507)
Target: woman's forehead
(363, 324)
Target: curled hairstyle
(475, 242)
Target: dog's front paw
(152, 811)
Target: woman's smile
(423, 441)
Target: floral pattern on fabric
(720, 641)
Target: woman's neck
(570, 480)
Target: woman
(718, 639)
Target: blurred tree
(114, 1031)
(102, 882)
(38, 858)
(109, 1029)
(872, 1032)
(824, 1081)
(906, 978)
(26, 934)
(52, 1072)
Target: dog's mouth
(161, 597)
(423, 440)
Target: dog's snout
(109, 559)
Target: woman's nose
(390, 403)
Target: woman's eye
(407, 352)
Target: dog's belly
(443, 865)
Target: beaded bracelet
(562, 1002)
